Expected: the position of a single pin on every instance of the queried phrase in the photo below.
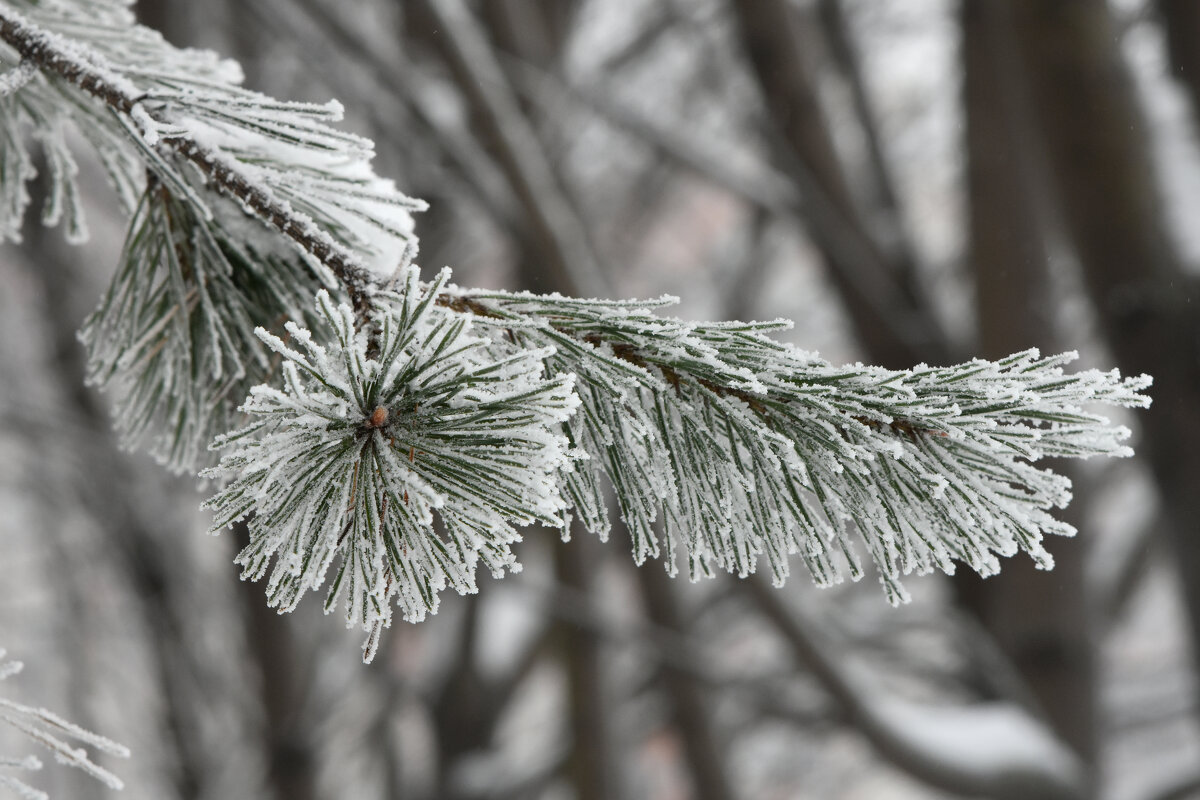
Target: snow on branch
(189, 122)
(172, 339)
(406, 435)
(53, 732)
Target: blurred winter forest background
(920, 181)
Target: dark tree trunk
(893, 322)
(1087, 112)
(686, 693)
(1040, 620)
(532, 30)
(591, 766)
(1181, 24)
(286, 739)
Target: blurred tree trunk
(156, 14)
(286, 739)
(892, 318)
(592, 767)
(1040, 621)
(1087, 111)
(686, 693)
(1181, 24)
(532, 30)
(885, 209)
(466, 707)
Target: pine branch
(748, 447)
(374, 432)
(407, 434)
(196, 278)
(162, 117)
(173, 339)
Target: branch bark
(36, 47)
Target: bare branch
(1054, 773)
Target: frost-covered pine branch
(748, 447)
(401, 433)
(54, 733)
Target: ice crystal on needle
(377, 432)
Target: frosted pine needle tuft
(407, 449)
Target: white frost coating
(375, 431)
(173, 339)
(9, 668)
(22, 789)
(725, 447)
(746, 448)
(286, 151)
(15, 78)
(51, 731)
